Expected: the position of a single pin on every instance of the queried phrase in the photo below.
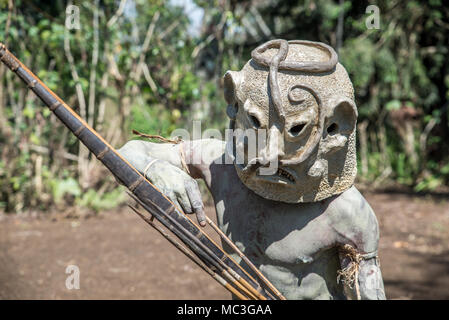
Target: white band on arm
(148, 167)
(183, 157)
(369, 255)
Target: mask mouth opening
(281, 176)
(286, 175)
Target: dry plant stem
(350, 274)
(90, 165)
(170, 28)
(423, 138)
(5, 128)
(102, 104)
(118, 13)
(83, 152)
(177, 141)
(152, 136)
(245, 259)
(189, 255)
(262, 25)
(363, 140)
(149, 79)
(93, 68)
(145, 46)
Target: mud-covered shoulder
(209, 150)
(354, 221)
(201, 155)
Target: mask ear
(232, 80)
(339, 124)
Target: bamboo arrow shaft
(192, 257)
(207, 255)
(154, 201)
(245, 259)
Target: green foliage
(401, 66)
(155, 119)
(61, 188)
(39, 159)
(358, 56)
(429, 183)
(69, 190)
(109, 200)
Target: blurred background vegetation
(157, 65)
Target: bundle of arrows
(159, 211)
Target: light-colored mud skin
(295, 245)
(293, 222)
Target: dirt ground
(120, 257)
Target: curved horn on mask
(305, 66)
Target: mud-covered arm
(197, 154)
(161, 164)
(142, 152)
(365, 270)
(370, 280)
(358, 230)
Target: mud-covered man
(291, 206)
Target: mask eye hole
(296, 129)
(254, 121)
(332, 129)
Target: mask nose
(274, 148)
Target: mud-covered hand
(172, 181)
(178, 186)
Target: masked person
(291, 206)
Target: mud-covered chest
(274, 232)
